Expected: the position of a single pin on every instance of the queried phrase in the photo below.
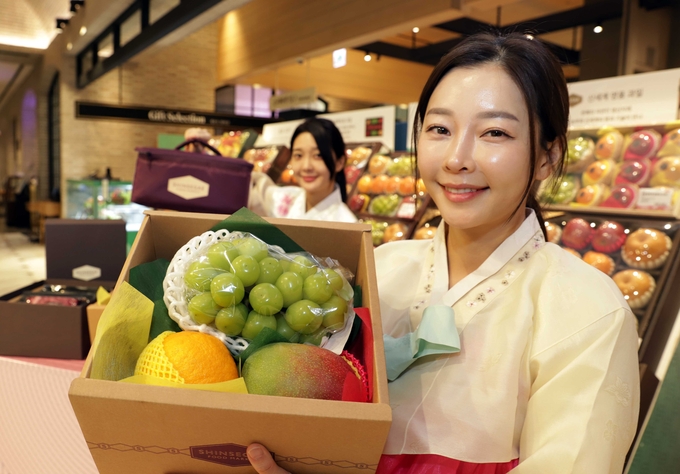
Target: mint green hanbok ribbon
(436, 334)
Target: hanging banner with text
(356, 126)
(625, 101)
(185, 118)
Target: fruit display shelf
(389, 197)
(636, 171)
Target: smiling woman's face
(473, 149)
(310, 170)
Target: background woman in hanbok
(546, 378)
(318, 161)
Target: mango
(302, 371)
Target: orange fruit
(407, 186)
(379, 183)
(392, 184)
(187, 357)
(364, 184)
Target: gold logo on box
(188, 187)
(226, 454)
(86, 273)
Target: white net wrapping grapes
(233, 285)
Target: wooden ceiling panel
(387, 81)
(570, 39)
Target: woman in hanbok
(318, 161)
(541, 371)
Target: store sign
(357, 126)
(186, 118)
(86, 273)
(292, 99)
(340, 58)
(625, 101)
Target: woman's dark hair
(538, 75)
(331, 147)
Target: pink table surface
(39, 432)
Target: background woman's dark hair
(538, 75)
(329, 141)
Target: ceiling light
(76, 4)
(598, 28)
(415, 29)
(83, 30)
(69, 46)
(367, 57)
(61, 23)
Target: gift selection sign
(357, 126)
(625, 101)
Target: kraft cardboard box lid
(85, 250)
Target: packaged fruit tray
(264, 158)
(635, 171)
(635, 253)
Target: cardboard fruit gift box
(153, 429)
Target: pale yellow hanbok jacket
(548, 368)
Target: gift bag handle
(196, 140)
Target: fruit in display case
(425, 232)
(384, 205)
(420, 187)
(599, 172)
(623, 196)
(377, 230)
(392, 185)
(609, 237)
(609, 146)
(301, 371)
(637, 172)
(580, 154)
(352, 174)
(379, 184)
(646, 248)
(407, 186)
(358, 155)
(641, 145)
(666, 172)
(670, 144)
(396, 231)
(365, 184)
(577, 233)
(637, 286)
(288, 176)
(358, 203)
(554, 232)
(379, 164)
(601, 261)
(592, 195)
(565, 193)
(402, 166)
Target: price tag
(407, 210)
(655, 199)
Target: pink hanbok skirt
(435, 464)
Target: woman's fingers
(262, 460)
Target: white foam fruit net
(175, 290)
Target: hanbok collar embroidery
(480, 287)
